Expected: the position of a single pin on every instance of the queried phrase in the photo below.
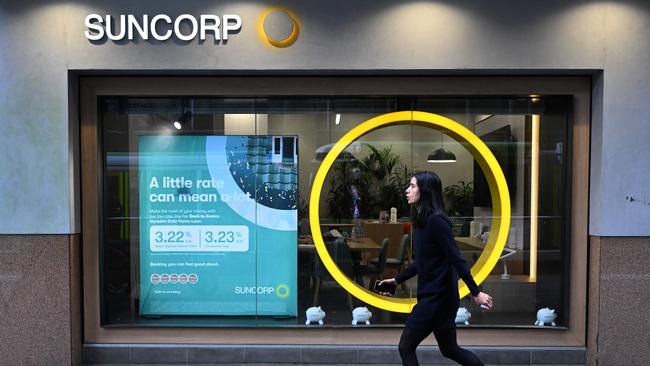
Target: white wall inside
(517, 125)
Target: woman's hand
(483, 300)
(390, 281)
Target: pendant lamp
(441, 155)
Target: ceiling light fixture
(441, 155)
(185, 117)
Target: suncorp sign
(161, 27)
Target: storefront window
(205, 207)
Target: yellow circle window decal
(484, 157)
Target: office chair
(340, 253)
(397, 262)
(374, 270)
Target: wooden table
(466, 243)
(336, 225)
(357, 245)
(364, 244)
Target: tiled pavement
(262, 355)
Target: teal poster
(218, 227)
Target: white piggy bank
(360, 315)
(314, 314)
(462, 316)
(544, 316)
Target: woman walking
(438, 265)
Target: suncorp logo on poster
(260, 290)
(281, 290)
(161, 27)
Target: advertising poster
(218, 228)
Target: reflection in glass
(288, 139)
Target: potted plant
(387, 177)
(460, 206)
(379, 177)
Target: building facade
(207, 174)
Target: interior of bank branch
(262, 157)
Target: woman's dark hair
(430, 201)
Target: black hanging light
(441, 155)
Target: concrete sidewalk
(177, 354)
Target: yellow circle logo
(279, 27)
(282, 291)
(485, 159)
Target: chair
(340, 253)
(397, 262)
(374, 270)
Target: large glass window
(205, 207)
